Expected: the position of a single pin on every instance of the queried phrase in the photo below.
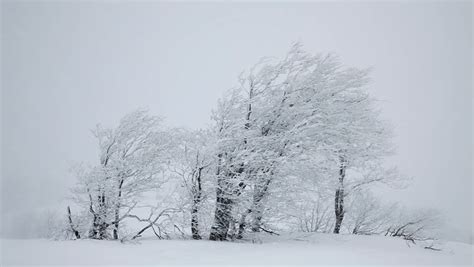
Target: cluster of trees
(294, 147)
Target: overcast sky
(68, 66)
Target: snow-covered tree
(193, 163)
(282, 110)
(130, 158)
(295, 141)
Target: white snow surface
(294, 249)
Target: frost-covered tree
(282, 110)
(295, 141)
(192, 162)
(130, 158)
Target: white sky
(68, 66)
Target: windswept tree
(192, 161)
(301, 104)
(130, 158)
(230, 154)
(293, 141)
(358, 144)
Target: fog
(68, 66)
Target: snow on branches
(294, 146)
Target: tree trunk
(116, 224)
(242, 224)
(197, 192)
(71, 224)
(222, 218)
(223, 212)
(195, 212)
(94, 227)
(117, 210)
(103, 231)
(256, 212)
(195, 222)
(93, 231)
(102, 218)
(257, 207)
(339, 209)
(257, 221)
(355, 231)
(339, 198)
(226, 191)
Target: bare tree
(414, 226)
(366, 215)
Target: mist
(69, 66)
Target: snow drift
(294, 249)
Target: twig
(268, 231)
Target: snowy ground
(309, 249)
